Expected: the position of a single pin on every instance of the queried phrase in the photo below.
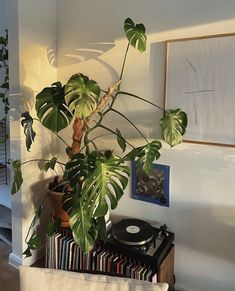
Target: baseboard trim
(16, 260)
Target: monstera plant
(92, 178)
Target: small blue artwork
(152, 187)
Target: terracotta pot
(57, 210)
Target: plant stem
(54, 133)
(40, 160)
(86, 141)
(140, 98)
(91, 140)
(40, 203)
(114, 110)
(123, 64)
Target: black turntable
(139, 240)
(132, 232)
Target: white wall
(202, 210)
(32, 34)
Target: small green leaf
(37, 215)
(27, 123)
(34, 242)
(52, 226)
(18, 179)
(121, 141)
(27, 253)
(173, 126)
(5, 85)
(146, 155)
(45, 166)
(135, 34)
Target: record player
(141, 241)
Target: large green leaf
(70, 199)
(27, 123)
(83, 228)
(76, 171)
(145, 155)
(135, 34)
(80, 166)
(82, 95)
(18, 179)
(173, 126)
(51, 108)
(109, 179)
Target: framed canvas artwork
(200, 79)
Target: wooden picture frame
(200, 79)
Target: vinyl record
(132, 232)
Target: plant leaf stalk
(142, 99)
(114, 110)
(54, 133)
(123, 64)
(113, 132)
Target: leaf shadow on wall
(76, 55)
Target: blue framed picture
(152, 187)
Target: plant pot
(57, 210)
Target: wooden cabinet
(166, 269)
(112, 258)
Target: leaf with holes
(27, 123)
(51, 108)
(147, 154)
(109, 179)
(82, 95)
(135, 34)
(71, 198)
(173, 126)
(79, 167)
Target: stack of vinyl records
(62, 253)
(134, 249)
